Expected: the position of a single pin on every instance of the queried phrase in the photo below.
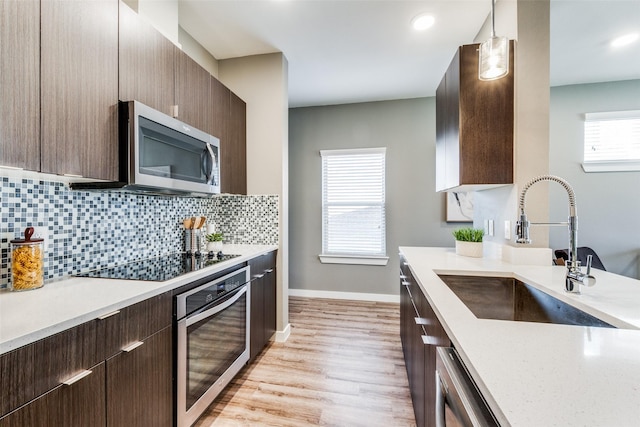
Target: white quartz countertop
(28, 316)
(536, 374)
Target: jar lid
(28, 232)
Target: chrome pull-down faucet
(575, 277)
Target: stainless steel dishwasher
(458, 400)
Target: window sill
(353, 259)
(619, 166)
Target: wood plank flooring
(341, 366)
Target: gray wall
(415, 212)
(608, 203)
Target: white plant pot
(470, 249)
(214, 246)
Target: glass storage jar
(27, 262)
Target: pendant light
(494, 53)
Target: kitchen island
(537, 374)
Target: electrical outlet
(488, 227)
(507, 229)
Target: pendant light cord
(493, 18)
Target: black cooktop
(160, 268)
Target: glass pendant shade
(494, 58)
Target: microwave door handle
(212, 157)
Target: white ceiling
(344, 51)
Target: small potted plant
(214, 242)
(469, 241)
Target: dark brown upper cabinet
(192, 93)
(20, 84)
(79, 88)
(147, 62)
(474, 125)
(236, 147)
(219, 98)
(230, 126)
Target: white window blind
(612, 141)
(353, 202)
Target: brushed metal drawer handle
(428, 340)
(133, 346)
(421, 321)
(77, 377)
(269, 270)
(402, 277)
(258, 276)
(104, 316)
(405, 263)
(405, 283)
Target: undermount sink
(504, 298)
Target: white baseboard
(344, 295)
(282, 336)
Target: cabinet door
(263, 301)
(146, 63)
(486, 133)
(79, 82)
(419, 376)
(139, 384)
(192, 93)
(20, 84)
(405, 314)
(270, 304)
(81, 404)
(234, 155)
(220, 97)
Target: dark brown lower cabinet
(130, 384)
(31, 371)
(263, 301)
(421, 333)
(81, 404)
(139, 384)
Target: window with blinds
(612, 141)
(353, 205)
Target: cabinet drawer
(29, 371)
(133, 323)
(80, 404)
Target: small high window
(353, 206)
(612, 141)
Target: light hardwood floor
(341, 366)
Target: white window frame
(348, 256)
(617, 155)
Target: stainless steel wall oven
(212, 338)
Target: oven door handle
(216, 306)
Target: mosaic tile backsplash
(89, 230)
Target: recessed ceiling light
(625, 40)
(422, 22)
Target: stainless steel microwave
(160, 154)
